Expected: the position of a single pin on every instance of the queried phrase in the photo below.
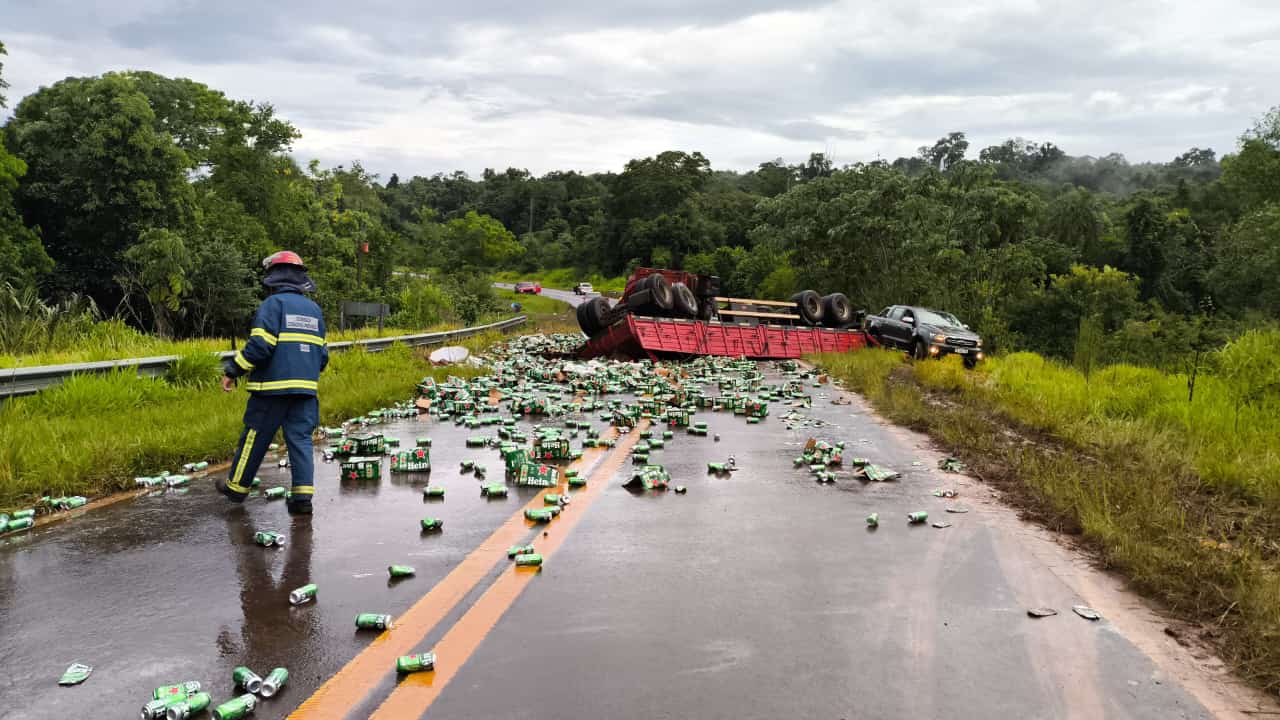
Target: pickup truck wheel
(918, 351)
(686, 305)
(836, 310)
(808, 306)
(970, 363)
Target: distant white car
(583, 289)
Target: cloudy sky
(588, 85)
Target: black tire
(970, 363)
(918, 351)
(660, 291)
(598, 312)
(640, 300)
(686, 305)
(586, 321)
(808, 306)
(836, 310)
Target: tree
(156, 271)
(3, 84)
(101, 171)
(22, 256)
(478, 242)
(1253, 173)
(947, 151)
(1247, 264)
(819, 165)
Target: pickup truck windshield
(933, 317)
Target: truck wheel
(836, 310)
(639, 299)
(597, 312)
(585, 321)
(970, 363)
(660, 291)
(808, 306)
(918, 351)
(686, 305)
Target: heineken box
(416, 460)
(368, 444)
(535, 475)
(362, 468)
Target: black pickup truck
(925, 333)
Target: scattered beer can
(873, 520)
(274, 493)
(269, 538)
(21, 514)
(419, 662)
(551, 499)
(304, 594)
(680, 489)
(917, 517)
(159, 709)
(272, 683)
(538, 515)
(529, 560)
(190, 707)
(21, 523)
(515, 550)
(182, 689)
(433, 492)
(577, 482)
(75, 674)
(177, 480)
(246, 679)
(430, 524)
(373, 621)
(236, 709)
(400, 571)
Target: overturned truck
(672, 313)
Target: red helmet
(284, 257)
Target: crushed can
(430, 524)
(420, 662)
(873, 520)
(304, 594)
(268, 538)
(272, 683)
(373, 621)
(247, 679)
(236, 709)
(193, 705)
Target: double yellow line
(350, 686)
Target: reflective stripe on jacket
(286, 350)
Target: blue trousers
(263, 416)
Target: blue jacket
(286, 350)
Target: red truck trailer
(672, 313)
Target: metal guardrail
(15, 382)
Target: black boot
(228, 493)
(298, 506)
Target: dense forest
(155, 198)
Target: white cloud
(571, 86)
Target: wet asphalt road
(757, 595)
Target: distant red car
(531, 288)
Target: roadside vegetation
(565, 279)
(94, 433)
(1173, 481)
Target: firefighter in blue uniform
(283, 358)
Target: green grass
(545, 314)
(114, 340)
(94, 434)
(1180, 497)
(565, 279)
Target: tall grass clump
(1181, 493)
